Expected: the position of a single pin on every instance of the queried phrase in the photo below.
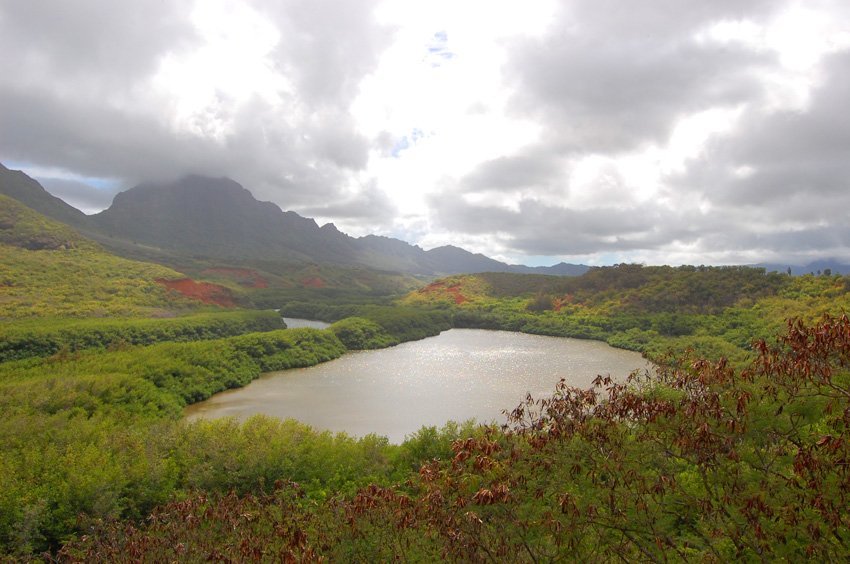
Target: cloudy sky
(594, 131)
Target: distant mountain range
(817, 267)
(217, 218)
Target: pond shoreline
(456, 375)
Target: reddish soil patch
(314, 282)
(440, 288)
(202, 291)
(243, 276)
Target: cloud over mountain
(591, 131)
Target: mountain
(19, 186)
(217, 218)
(50, 270)
(832, 266)
(454, 260)
(560, 269)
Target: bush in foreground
(701, 461)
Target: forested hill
(217, 218)
(716, 311)
(623, 287)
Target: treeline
(390, 325)
(647, 289)
(45, 337)
(698, 462)
(98, 433)
(658, 311)
(656, 336)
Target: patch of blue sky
(36, 171)
(400, 146)
(438, 51)
(407, 142)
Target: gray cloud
(90, 42)
(79, 194)
(610, 76)
(75, 93)
(368, 205)
(607, 78)
(326, 45)
(539, 229)
(532, 170)
(788, 166)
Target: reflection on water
(457, 375)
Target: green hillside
(17, 185)
(715, 311)
(706, 460)
(47, 269)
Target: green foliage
(224, 454)
(400, 323)
(716, 311)
(698, 462)
(703, 461)
(49, 270)
(45, 337)
(95, 432)
(21, 227)
(407, 324)
(357, 333)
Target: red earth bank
(201, 291)
(314, 282)
(442, 288)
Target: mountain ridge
(218, 218)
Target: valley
(114, 325)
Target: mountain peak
(200, 216)
(19, 186)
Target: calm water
(457, 375)
(293, 322)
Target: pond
(457, 375)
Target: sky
(587, 131)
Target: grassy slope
(47, 269)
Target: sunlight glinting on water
(458, 375)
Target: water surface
(293, 322)
(457, 375)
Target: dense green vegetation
(706, 460)
(699, 462)
(100, 434)
(716, 311)
(47, 269)
(398, 324)
(44, 337)
(357, 333)
(84, 432)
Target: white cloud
(692, 131)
